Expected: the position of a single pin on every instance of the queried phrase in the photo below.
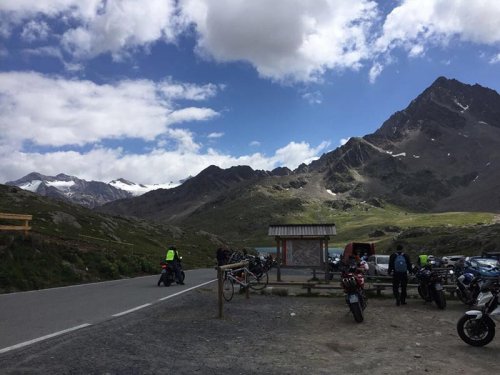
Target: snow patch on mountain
(31, 185)
(139, 189)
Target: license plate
(439, 287)
(353, 298)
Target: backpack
(400, 263)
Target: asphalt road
(30, 317)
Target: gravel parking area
(265, 334)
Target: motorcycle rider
(172, 257)
(422, 260)
(399, 265)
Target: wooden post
(220, 286)
(278, 259)
(220, 283)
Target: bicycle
(255, 281)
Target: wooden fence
(220, 280)
(25, 219)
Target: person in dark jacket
(399, 266)
(174, 259)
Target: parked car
(378, 265)
(451, 260)
(479, 266)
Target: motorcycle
(477, 327)
(468, 288)
(167, 275)
(353, 282)
(333, 266)
(430, 286)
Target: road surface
(30, 317)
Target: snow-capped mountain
(139, 189)
(87, 193)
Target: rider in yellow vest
(173, 258)
(422, 260)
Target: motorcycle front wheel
(476, 332)
(357, 311)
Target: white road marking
(26, 343)
(132, 310)
(186, 290)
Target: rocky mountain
(72, 189)
(439, 154)
(86, 193)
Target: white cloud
(157, 166)
(53, 111)
(343, 141)
(254, 144)
(495, 59)
(57, 113)
(119, 26)
(314, 97)
(34, 31)
(375, 71)
(215, 135)
(418, 23)
(284, 39)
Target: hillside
(71, 244)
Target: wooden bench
(16, 217)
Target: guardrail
(16, 217)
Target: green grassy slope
(70, 244)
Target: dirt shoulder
(264, 334)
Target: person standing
(399, 266)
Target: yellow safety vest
(423, 260)
(170, 255)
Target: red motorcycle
(353, 283)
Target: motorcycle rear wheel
(357, 311)
(476, 332)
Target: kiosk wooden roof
(302, 230)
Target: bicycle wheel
(228, 289)
(257, 282)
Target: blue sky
(154, 91)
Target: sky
(155, 91)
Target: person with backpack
(399, 266)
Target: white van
(378, 265)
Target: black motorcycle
(333, 266)
(430, 286)
(167, 276)
(476, 327)
(468, 288)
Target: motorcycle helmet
(364, 265)
(467, 278)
